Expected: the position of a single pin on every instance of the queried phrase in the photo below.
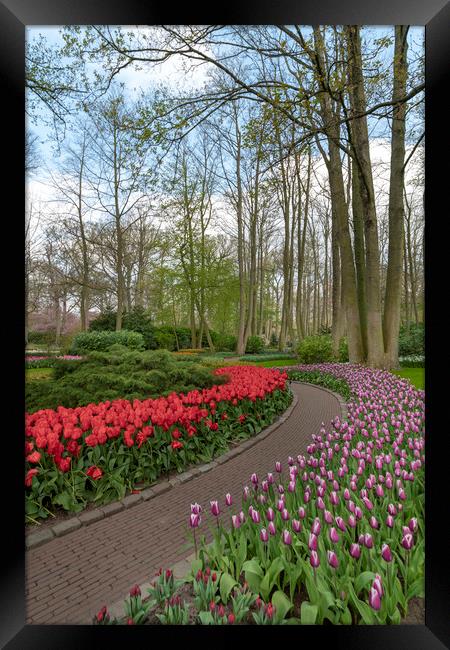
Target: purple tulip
(346, 494)
(246, 494)
(413, 524)
(285, 514)
(328, 516)
(270, 514)
(278, 467)
(374, 523)
(196, 508)
(392, 510)
(291, 486)
(236, 521)
(377, 585)
(262, 499)
(256, 518)
(280, 504)
(287, 537)
(264, 535)
(351, 506)
(314, 559)
(379, 491)
(194, 520)
(368, 540)
(390, 521)
(280, 489)
(215, 510)
(334, 498)
(368, 503)
(306, 497)
(332, 559)
(334, 536)
(312, 542)
(352, 521)
(355, 551)
(265, 485)
(296, 525)
(290, 460)
(271, 528)
(340, 523)
(407, 541)
(270, 478)
(316, 527)
(320, 503)
(374, 599)
(386, 553)
(358, 512)
(228, 499)
(254, 479)
(242, 517)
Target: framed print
(232, 239)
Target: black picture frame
(15, 15)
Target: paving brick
(67, 526)
(101, 561)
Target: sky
(172, 73)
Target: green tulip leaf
(226, 584)
(308, 613)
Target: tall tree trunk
(358, 243)
(361, 153)
(392, 300)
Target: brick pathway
(69, 578)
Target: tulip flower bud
(270, 515)
(291, 486)
(287, 537)
(340, 523)
(255, 516)
(270, 478)
(355, 551)
(265, 486)
(296, 525)
(228, 499)
(346, 494)
(334, 536)
(352, 521)
(374, 599)
(242, 517)
(320, 503)
(301, 512)
(407, 541)
(236, 522)
(358, 512)
(246, 494)
(135, 591)
(332, 559)
(413, 524)
(314, 559)
(290, 460)
(271, 528)
(215, 510)
(374, 523)
(264, 535)
(231, 618)
(284, 514)
(196, 508)
(312, 542)
(386, 553)
(334, 498)
(280, 505)
(390, 521)
(368, 540)
(278, 467)
(377, 585)
(262, 499)
(306, 497)
(194, 520)
(316, 527)
(254, 479)
(328, 516)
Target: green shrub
(43, 338)
(321, 379)
(315, 349)
(254, 345)
(102, 340)
(343, 349)
(224, 342)
(411, 341)
(119, 373)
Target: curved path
(69, 578)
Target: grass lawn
(38, 373)
(274, 363)
(415, 375)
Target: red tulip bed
(95, 453)
(335, 536)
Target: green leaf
(282, 605)
(363, 579)
(253, 567)
(227, 583)
(395, 617)
(416, 588)
(363, 608)
(346, 617)
(269, 579)
(308, 613)
(206, 618)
